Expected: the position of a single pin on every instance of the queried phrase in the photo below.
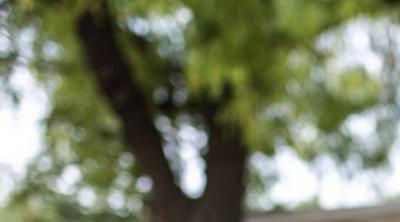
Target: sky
(20, 129)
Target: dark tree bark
(226, 157)
(113, 76)
(225, 172)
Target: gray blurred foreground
(384, 213)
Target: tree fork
(226, 157)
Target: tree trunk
(222, 198)
(225, 172)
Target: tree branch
(114, 78)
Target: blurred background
(314, 91)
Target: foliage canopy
(273, 66)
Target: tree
(123, 77)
